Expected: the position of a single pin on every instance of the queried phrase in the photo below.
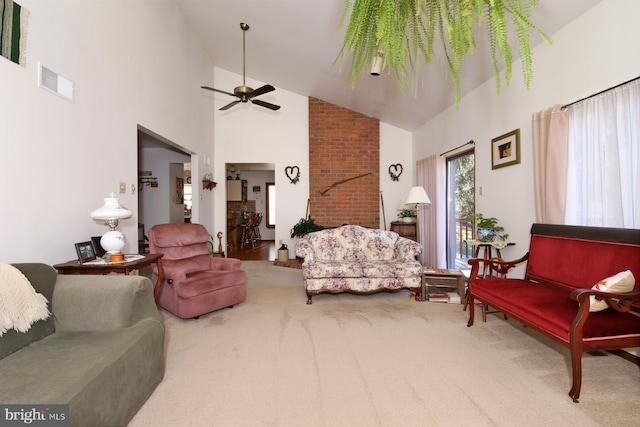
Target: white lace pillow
(618, 284)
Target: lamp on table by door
(111, 212)
(417, 197)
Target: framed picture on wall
(85, 252)
(505, 150)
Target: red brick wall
(343, 144)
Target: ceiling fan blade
(265, 104)
(262, 90)
(217, 90)
(226, 107)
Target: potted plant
(304, 226)
(402, 31)
(487, 228)
(408, 215)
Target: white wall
(248, 133)
(156, 206)
(132, 63)
(594, 52)
(395, 147)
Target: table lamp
(417, 197)
(111, 212)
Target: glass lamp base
(113, 241)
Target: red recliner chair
(194, 282)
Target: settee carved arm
(619, 302)
(500, 267)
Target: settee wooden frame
(625, 304)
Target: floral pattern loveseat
(359, 260)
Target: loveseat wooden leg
(576, 367)
(472, 309)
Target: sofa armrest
(95, 303)
(407, 249)
(620, 302)
(501, 268)
(225, 264)
(305, 250)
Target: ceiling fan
(244, 92)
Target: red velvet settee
(563, 264)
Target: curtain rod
(453, 149)
(600, 93)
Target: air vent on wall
(55, 83)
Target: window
(603, 160)
(271, 204)
(460, 204)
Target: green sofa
(101, 352)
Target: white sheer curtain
(603, 181)
(431, 175)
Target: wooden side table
(405, 229)
(439, 277)
(126, 267)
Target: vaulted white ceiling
(292, 45)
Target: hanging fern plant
(406, 29)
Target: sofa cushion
(381, 245)
(104, 376)
(550, 308)
(43, 278)
(391, 269)
(354, 243)
(338, 244)
(617, 284)
(322, 269)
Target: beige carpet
(378, 360)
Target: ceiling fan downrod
(244, 27)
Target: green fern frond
(406, 30)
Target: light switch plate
(123, 187)
(133, 189)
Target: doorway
(460, 205)
(247, 195)
(164, 169)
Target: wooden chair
(232, 233)
(256, 227)
(143, 240)
(248, 236)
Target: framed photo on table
(505, 150)
(85, 252)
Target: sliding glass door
(460, 204)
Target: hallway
(264, 250)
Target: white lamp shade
(112, 209)
(417, 196)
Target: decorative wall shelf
(208, 185)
